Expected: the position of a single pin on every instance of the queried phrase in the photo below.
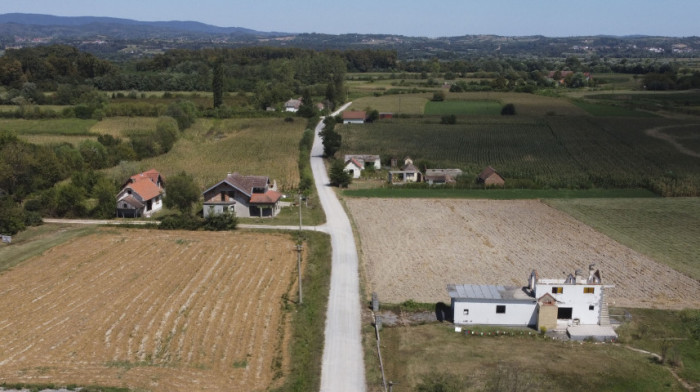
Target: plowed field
(412, 248)
(154, 310)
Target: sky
(424, 18)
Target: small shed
(354, 167)
(385, 115)
(442, 176)
(490, 177)
(547, 312)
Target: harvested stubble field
(412, 248)
(148, 310)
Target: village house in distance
(141, 195)
(355, 163)
(246, 196)
(575, 304)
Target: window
(466, 312)
(589, 290)
(500, 308)
(557, 290)
(591, 307)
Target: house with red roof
(246, 196)
(141, 195)
(354, 117)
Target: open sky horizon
(676, 18)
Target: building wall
(355, 170)
(494, 180)
(547, 317)
(573, 296)
(215, 209)
(517, 313)
(353, 121)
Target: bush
(220, 222)
(508, 110)
(449, 119)
(180, 222)
(439, 96)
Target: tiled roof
(354, 115)
(354, 162)
(144, 188)
(151, 174)
(269, 197)
(246, 183)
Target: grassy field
(397, 104)
(525, 104)
(497, 194)
(552, 151)
(55, 139)
(662, 228)
(62, 126)
(471, 108)
(122, 126)
(415, 354)
(212, 148)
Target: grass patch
(413, 353)
(397, 104)
(62, 126)
(665, 229)
(44, 139)
(312, 215)
(603, 110)
(310, 319)
(212, 148)
(499, 194)
(36, 240)
(470, 108)
(41, 387)
(673, 334)
(123, 126)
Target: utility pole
(299, 248)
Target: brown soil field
(412, 248)
(151, 310)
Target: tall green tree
(217, 84)
(331, 139)
(337, 174)
(182, 192)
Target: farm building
(408, 173)
(575, 304)
(385, 115)
(490, 177)
(141, 195)
(247, 196)
(442, 176)
(292, 105)
(354, 167)
(354, 117)
(365, 160)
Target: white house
(141, 195)
(365, 160)
(574, 303)
(292, 105)
(354, 117)
(246, 196)
(354, 167)
(408, 173)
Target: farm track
(659, 134)
(412, 248)
(150, 310)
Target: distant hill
(81, 25)
(122, 38)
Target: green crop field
(602, 110)
(414, 355)
(463, 108)
(211, 148)
(398, 103)
(666, 229)
(62, 126)
(525, 104)
(553, 151)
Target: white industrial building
(575, 303)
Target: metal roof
(476, 291)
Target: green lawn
(666, 229)
(468, 108)
(61, 126)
